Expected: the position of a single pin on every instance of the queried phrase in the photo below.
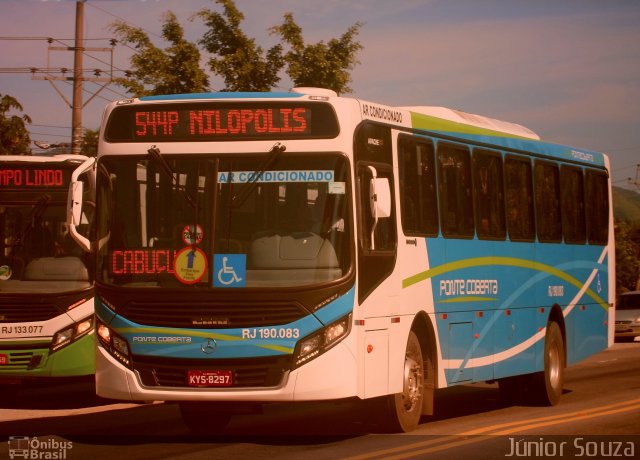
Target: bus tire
(201, 418)
(546, 386)
(404, 409)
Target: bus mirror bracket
(74, 203)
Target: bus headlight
(313, 346)
(116, 345)
(71, 333)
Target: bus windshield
(240, 221)
(37, 253)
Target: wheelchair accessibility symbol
(229, 269)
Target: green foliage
(240, 62)
(90, 143)
(14, 137)
(627, 256)
(324, 65)
(174, 70)
(626, 209)
(626, 204)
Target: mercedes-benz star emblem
(209, 347)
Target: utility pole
(78, 77)
(76, 109)
(636, 182)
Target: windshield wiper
(154, 153)
(274, 153)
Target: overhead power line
(122, 19)
(51, 39)
(60, 70)
(101, 74)
(77, 75)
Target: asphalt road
(598, 417)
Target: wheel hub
(412, 388)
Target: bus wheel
(546, 386)
(202, 418)
(404, 409)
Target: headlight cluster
(115, 344)
(318, 343)
(71, 333)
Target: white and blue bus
(46, 278)
(254, 248)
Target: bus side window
(547, 198)
(488, 194)
(572, 201)
(456, 204)
(418, 196)
(519, 198)
(597, 197)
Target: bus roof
(59, 158)
(451, 123)
(478, 121)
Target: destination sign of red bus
(19, 176)
(208, 121)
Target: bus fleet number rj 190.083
(271, 333)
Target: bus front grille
(264, 372)
(27, 312)
(26, 359)
(210, 315)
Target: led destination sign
(221, 122)
(143, 261)
(19, 176)
(211, 121)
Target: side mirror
(380, 197)
(379, 200)
(74, 203)
(75, 206)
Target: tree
(90, 143)
(627, 236)
(174, 70)
(325, 65)
(14, 137)
(236, 58)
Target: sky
(567, 69)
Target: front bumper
(330, 376)
(35, 360)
